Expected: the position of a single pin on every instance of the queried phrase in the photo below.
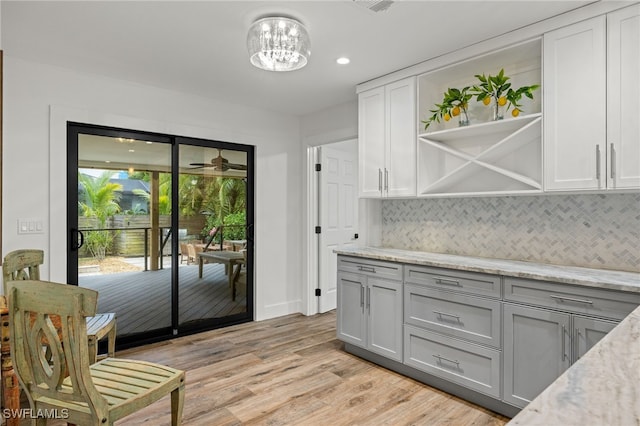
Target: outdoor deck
(142, 300)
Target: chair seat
(101, 324)
(126, 384)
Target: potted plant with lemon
(493, 87)
(514, 96)
(454, 104)
(497, 88)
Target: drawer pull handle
(441, 314)
(366, 269)
(571, 299)
(447, 282)
(453, 361)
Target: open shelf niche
(485, 157)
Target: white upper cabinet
(592, 103)
(623, 105)
(387, 140)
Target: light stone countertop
(601, 388)
(601, 278)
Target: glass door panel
(124, 220)
(212, 229)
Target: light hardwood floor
(292, 371)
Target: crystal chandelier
(278, 44)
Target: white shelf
(503, 156)
(507, 125)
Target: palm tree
(101, 199)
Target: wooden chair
(91, 394)
(184, 253)
(25, 265)
(191, 257)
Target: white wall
(39, 98)
(335, 124)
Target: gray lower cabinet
(467, 364)
(540, 344)
(352, 321)
(536, 351)
(496, 340)
(459, 315)
(453, 326)
(370, 310)
(587, 332)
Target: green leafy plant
(454, 103)
(514, 96)
(492, 87)
(100, 201)
(498, 88)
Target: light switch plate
(30, 226)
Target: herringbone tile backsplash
(591, 230)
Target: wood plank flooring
(293, 371)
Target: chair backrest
(192, 252)
(21, 265)
(32, 304)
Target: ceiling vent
(374, 5)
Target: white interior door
(338, 205)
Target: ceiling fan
(220, 163)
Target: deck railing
(165, 235)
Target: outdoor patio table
(227, 258)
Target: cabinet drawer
(457, 315)
(467, 282)
(571, 298)
(466, 364)
(373, 268)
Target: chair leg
(177, 403)
(111, 342)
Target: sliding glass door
(214, 202)
(161, 227)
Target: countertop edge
(600, 278)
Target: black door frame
(175, 330)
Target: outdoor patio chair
(85, 393)
(184, 253)
(25, 265)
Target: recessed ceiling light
(132, 150)
(343, 60)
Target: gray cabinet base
(459, 391)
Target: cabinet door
(575, 106)
(588, 332)
(351, 320)
(384, 303)
(400, 153)
(623, 92)
(371, 142)
(536, 351)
